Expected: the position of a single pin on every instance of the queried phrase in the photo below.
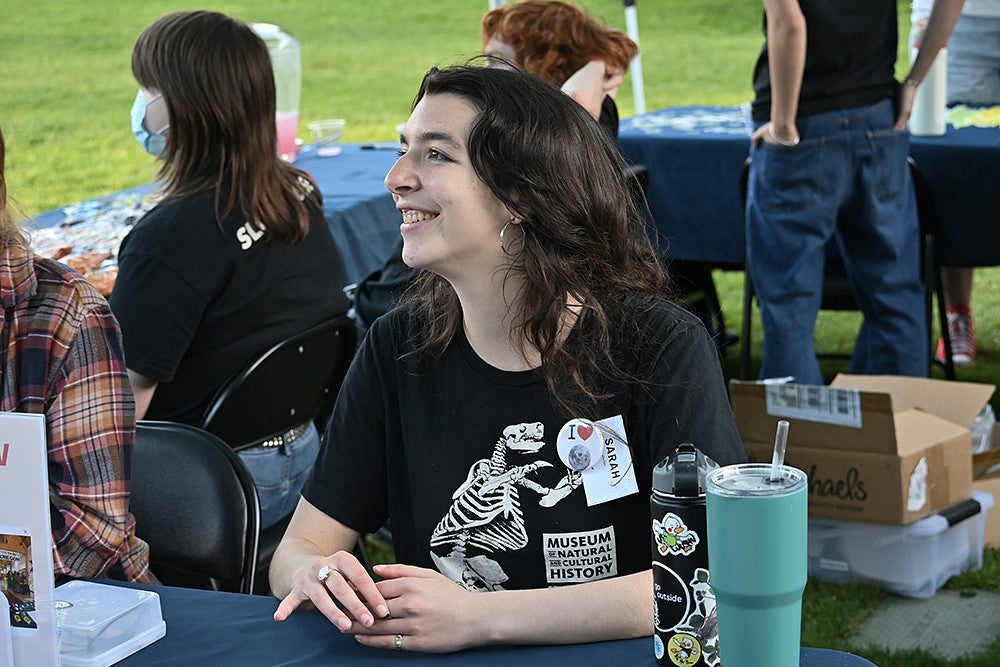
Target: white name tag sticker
(614, 476)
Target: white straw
(780, 443)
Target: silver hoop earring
(502, 230)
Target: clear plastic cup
(326, 135)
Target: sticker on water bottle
(684, 649)
(673, 537)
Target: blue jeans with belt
(848, 180)
(280, 473)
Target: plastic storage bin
(100, 624)
(914, 560)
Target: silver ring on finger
(325, 572)
(399, 642)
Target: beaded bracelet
(913, 83)
(779, 140)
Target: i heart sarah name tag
(599, 452)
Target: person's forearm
(91, 432)
(786, 47)
(616, 608)
(586, 87)
(143, 389)
(942, 20)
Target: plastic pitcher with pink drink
(286, 60)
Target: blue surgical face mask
(152, 142)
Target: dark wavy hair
(554, 39)
(216, 78)
(584, 237)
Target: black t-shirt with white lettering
(197, 300)
(463, 458)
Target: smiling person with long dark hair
(507, 416)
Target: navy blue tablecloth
(694, 156)
(963, 169)
(358, 208)
(211, 628)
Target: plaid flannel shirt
(64, 359)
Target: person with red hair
(566, 47)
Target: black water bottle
(685, 630)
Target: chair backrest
(195, 504)
(289, 384)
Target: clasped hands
(411, 608)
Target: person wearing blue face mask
(237, 255)
(150, 110)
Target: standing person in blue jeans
(829, 161)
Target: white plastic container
(914, 560)
(99, 624)
(929, 116)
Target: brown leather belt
(286, 438)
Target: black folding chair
(295, 381)
(195, 504)
(290, 384)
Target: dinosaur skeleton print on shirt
(486, 517)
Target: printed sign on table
(26, 569)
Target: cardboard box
(986, 472)
(991, 485)
(882, 449)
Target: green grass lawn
(67, 90)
